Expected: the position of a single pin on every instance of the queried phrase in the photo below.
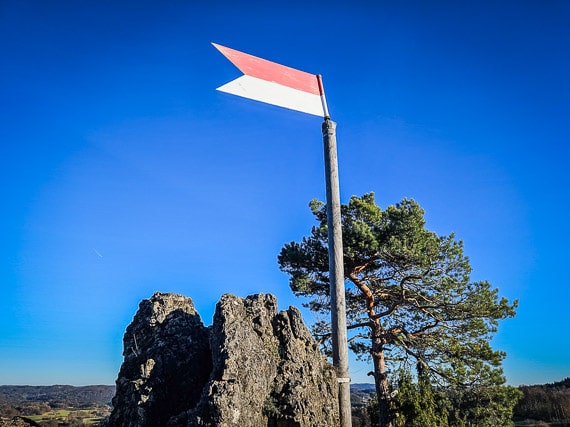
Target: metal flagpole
(336, 272)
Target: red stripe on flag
(271, 71)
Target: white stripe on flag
(275, 94)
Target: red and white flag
(275, 84)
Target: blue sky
(123, 172)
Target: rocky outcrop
(253, 367)
(166, 363)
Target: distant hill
(70, 395)
(60, 404)
(546, 402)
(364, 387)
(360, 394)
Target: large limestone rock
(166, 363)
(263, 369)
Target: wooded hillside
(31, 400)
(547, 402)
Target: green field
(65, 417)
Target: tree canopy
(410, 301)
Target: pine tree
(409, 297)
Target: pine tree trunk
(381, 380)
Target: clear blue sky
(123, 172)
